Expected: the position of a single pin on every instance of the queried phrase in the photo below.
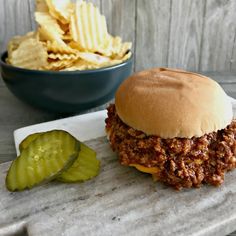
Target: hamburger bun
(173, 103)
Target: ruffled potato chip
(126, 57)
(67, 37)
(75, 46)
(81, 65)
(51, 32)
(41, 6)
(88, 27)
(60, 56)
(107, 48)
(115, 48)
(66, 29)
(60, 10)
(112, 47)
(116, 45)
(59, 46)
(113, 62)
(93, 58)
(41, 34)
(14, 43)
(71, 36)
(45, 20)
(125, 48)
(58, 64)
(31, 54)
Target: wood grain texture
(96, 3)
(15, 18)
(222, 77)
(185, 34)
(233, 59)
(152, 33)
(218, 35)
(32, 10)
(194, 35)
(120, 17)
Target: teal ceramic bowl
(65, 92)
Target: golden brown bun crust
(173, 103)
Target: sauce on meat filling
(181, 162)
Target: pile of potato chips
(70, 36)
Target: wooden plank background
(197, 35)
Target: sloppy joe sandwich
(173, 124)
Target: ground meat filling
(181, 162)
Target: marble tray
(120, 201)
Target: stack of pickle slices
(52, 155)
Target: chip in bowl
(89, 28)
(70, 36)
(41, 6)
(60, 9)
(31, 54)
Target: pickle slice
(84, 168)
(43, 160)
(26, 142)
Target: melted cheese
(149, 170)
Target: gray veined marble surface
(120, 201)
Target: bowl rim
(77, 72)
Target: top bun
(173, 103)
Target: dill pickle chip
(84, 168)
(43, 160)
(26, 142)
